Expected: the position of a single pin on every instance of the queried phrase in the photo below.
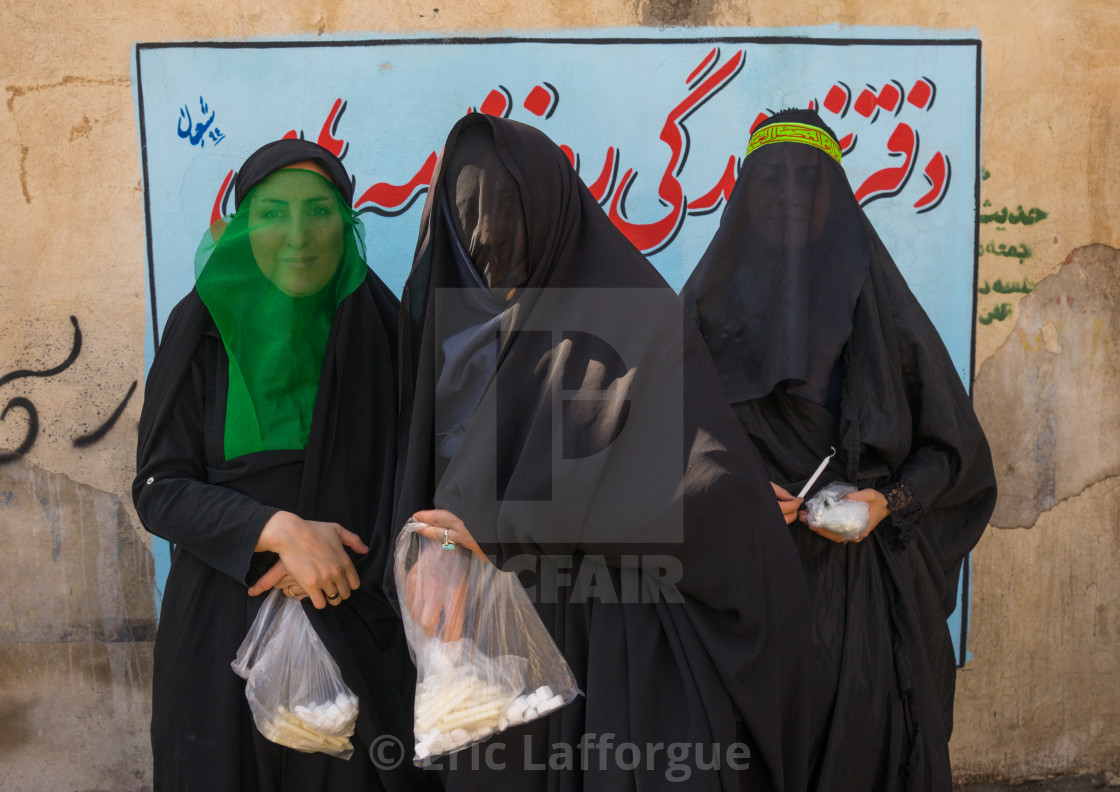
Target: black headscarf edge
(278, 154)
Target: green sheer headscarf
(272, 278)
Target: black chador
(557, 399)
(820, 344)
(273, 389)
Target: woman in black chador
(561, 412)
(820, 344)
(266, 455)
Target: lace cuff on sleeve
(904, 508)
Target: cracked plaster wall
(1040, 696)
(76, 610)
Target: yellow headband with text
(794, 133)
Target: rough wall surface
(75, 608)
(1040, 696)
(76, 627)
(1055, 380)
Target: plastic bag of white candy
(292, 683)
(830, 511)
(484, 660)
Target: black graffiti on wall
(28, 407)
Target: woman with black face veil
(560, 413)
(820, 344)
(266, 455)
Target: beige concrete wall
(76, 617)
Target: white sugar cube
(555, 702)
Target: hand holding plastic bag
(292, 683)
(830, 511)
(483, 658)
(436, 589)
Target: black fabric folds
(213, 510)
(820, 343)
(604, 464)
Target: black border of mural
(613, 40)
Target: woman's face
(295, 231)
(787, 197)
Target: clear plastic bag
(830, 511)
(484, 661)
(292, 683)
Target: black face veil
(775, 292)
(486, 209)
(797, 296)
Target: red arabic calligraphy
(707, 79)
(326, 135)
(218, 210)
(937, 174)
(652, 237)
(892, 98)
(705, 66)
(714, 198)
(542, 100)
(389, 200)
(381, 198)
(903, 142)
(497, 103)
(602, 188)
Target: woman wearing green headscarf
(265, 456)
